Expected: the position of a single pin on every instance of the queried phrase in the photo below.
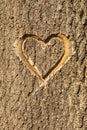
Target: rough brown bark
(62, 103)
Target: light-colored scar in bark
(68, 52)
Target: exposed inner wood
(68, 52)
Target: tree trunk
(61, 104)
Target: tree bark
(61, 104)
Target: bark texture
(62, 103)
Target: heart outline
(68, 52)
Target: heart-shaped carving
(68, 52)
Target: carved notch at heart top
(68, 52)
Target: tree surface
(61, 104)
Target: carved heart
(68, 52)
